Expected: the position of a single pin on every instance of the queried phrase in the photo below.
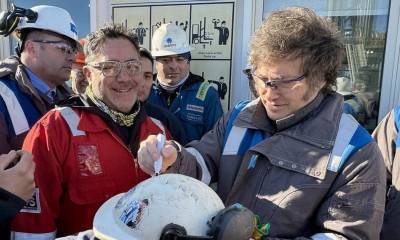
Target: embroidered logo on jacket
(89, 161)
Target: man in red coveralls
(85, 151)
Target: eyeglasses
(283, 84)
(60, 45)
(113, 68)
(168, 60)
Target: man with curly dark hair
(86, 149)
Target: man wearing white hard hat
(185, 94)
(32, 82)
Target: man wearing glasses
(32, 82)
(292, 155)
(183, 93)
(86, 150)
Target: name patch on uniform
(89, 161)
(195, 108)
(33, 204)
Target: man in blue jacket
(185, 94)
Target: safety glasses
(282, 84)
(60, 45)
(113, 68)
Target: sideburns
(315, 87)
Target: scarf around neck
(120, 118)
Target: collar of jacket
(312, 137)
(192, 79)
(9, 66)
(298, 116)
(13, 68)
(83, 103)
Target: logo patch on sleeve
(33, 204)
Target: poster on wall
(217, 75)
(211, 31)
(168, 14)
(209, 28)
(136, 19)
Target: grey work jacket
(385, 135)
(290, 186)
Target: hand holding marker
(160, 145)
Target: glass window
(363, 24)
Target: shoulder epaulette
(202, 91)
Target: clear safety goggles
(60, 45)
(113, 68)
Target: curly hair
(299, 33)
(96, 39)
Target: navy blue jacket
(172, 123)
(197, 105)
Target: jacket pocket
(288, 197)
(89, 181)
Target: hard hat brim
(162, 53)
(102, 227)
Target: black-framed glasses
(60, 45)
(283, 84)
(113, 68)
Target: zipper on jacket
(128, 148)
(267, 169)
(135, 161)
(177, 110)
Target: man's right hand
(148, 154)
(19, 179)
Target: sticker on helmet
(132, 214)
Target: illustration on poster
(140, 32)
(222, 88)
(200, 35)
(183, 25)
(223, 31)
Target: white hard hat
(344, 86)
(52, 19)
(169, 39)
(144, 211)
